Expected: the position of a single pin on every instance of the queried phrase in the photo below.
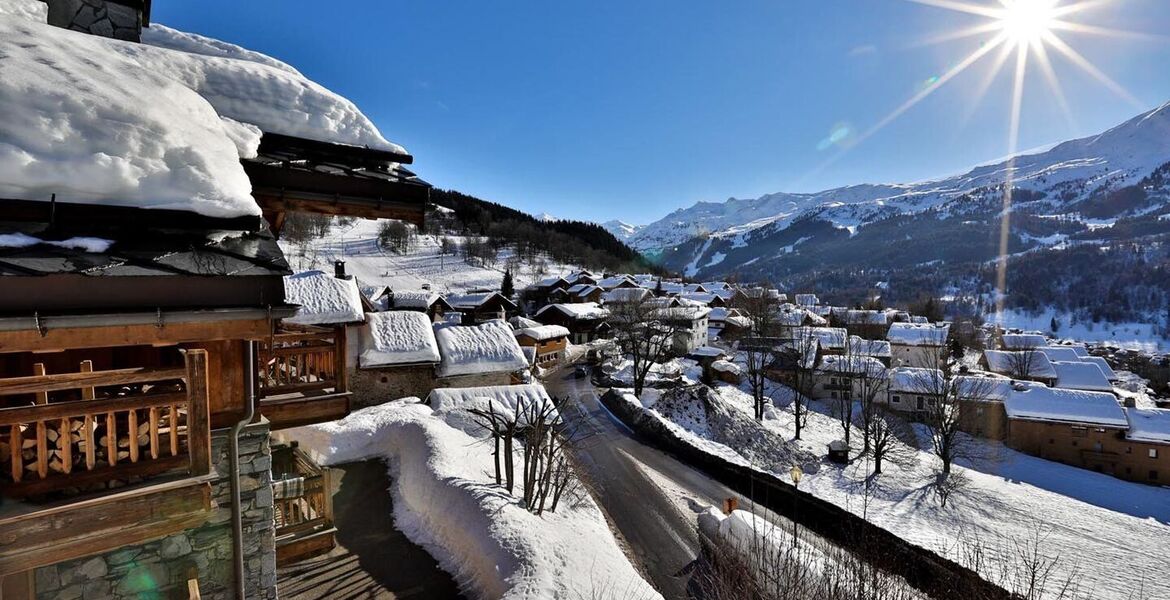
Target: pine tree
(507, 288)
(1054, 325)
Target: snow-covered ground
(1108, 531)
(357, 244)
(445, 501)
(1134, 336)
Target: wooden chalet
(480, 307)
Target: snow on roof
(397, 338)
(807, 299)
(681, 313)
(519, 322)
(324, 299)
(471, 301)
(421, 299)
(863, 347)
(1064, 353)
(542, 333)
(1037, 402)
(75, 125)
(613, 282)
(549, 281)
(829, 337)
(853, 364)
(1103, 365)
(865, 317)
(165, 37)
(915, 380)
(620, 295)
(1149, 424)
(726, 366)
(1023, 341)
(918, 334)
(1078, 375)
(505, 399)
(1014, 363)
(984, 388)
(708, 352)
(580, 310)
(700, 297)
(1080, 349)
(486, 348)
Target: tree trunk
(509, 467)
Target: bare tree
(502, 425)
(855, 368)
(644, 335)
(798, 358)
(761, 306)
(889, 439)
(1022, 363)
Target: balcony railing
(303, 498)
(302, 376)
(128, 424)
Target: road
(656, 523)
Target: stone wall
(98, 17)
(162, 567)
(376, 386)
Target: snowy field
(1134, 336)
(357, 244)
(1112, 534)
(445, 501)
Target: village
(193, 406)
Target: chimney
(339, 269)
(118, 19)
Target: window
(1153, 453)
(896, 399)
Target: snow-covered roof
(519, 322)
(806, 299)
(1078, 375)
(915, 380)
(865, 317)
(610, 283)
(505, 399)
(858, 365)
(621, 295)
(681, 313)
(417, 299)
(473, 300)
(1149, 425)
(1023, 341)
(864, 347)
(918, 334)
(726, 366)
(1103, 365)
(1036, 402)
(542, 333)
(323, 299)
(487, 348)
(1055, 353)
(708, 352)
(830, 338)
(1014, 363)
(548, 282)
(580, 310)
(700, 297)
(398, 338)
(989, 387)
(789, 315)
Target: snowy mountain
(546, 218)
(621, 230)
(1068, 173)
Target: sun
(1026, 22)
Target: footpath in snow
(445, 500)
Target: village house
(845, 377)
(477, 355)
(879, 349)
(398, 357)
(790, 319)
(980, 398)
(616, 282)
(806, 300)
(481, 307)
(583, 292)
(1021, 341)
(868, 324)
(727, 324)
(586, 322)
(548, 343)
(425, 301)
(918, 344)
(690, 325)
(581, 277)
(833, 341)
(626, 296)
(1030, 365)
(915, 391)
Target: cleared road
(661, 532)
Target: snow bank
(486, 348)
(33, 10)
(324, 299)
(397, 338)
(75, 125)
(445, 502)
(543, 333)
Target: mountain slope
(1068, 173)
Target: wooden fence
(301, 360)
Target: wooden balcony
(101, 459)
(302, 376)
(303, 499)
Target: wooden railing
(310, 508)
(128, 423)
(302, 360)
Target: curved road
(659, 530)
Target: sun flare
(1025, 22)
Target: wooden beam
(42, 383)
(60, 339)
(198, 415)
(79, 529)
(366, 209)
(304, 411)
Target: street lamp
(796, 474)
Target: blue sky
(601, 110)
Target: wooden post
(198, 415)
(42, 434)
(88, 393)
(342, 372)
(327, 491)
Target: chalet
(581, 277)
(426, 301)
(484, 354)
(616, 282)
(1021, 341)
(398, 357)
(728, 324)
(845, 377)
(879, 349)
(868, 324)
(833, 341)
(481, 307)
(690, 324)
(745, 295)
(626, 296)
(583, 292)
(918, 344)
(694, 288)
(141, 318)
(790, 318)
(1027, 365)
(548, 343)
(705, 298)
(915, 391)
(1147, 449)
(586, 322)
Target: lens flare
(1027, 21)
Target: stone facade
(162, 567)
(379, 385)
(98, 17)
